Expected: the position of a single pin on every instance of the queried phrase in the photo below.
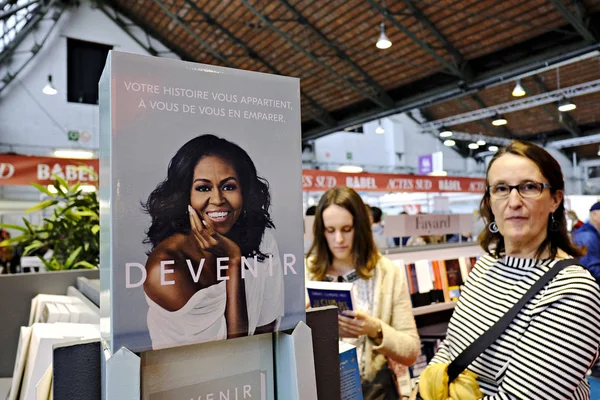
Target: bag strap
(484, 341)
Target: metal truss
(18, 23)
(574, 142)
(367, 93)
(516, 105)
(140, 35)
(471, 137)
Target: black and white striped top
(548, 348)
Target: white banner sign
(427, 224)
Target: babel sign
(25, 170)
(318, 180)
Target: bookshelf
(434, 317)
(434, 252)
(433, 308)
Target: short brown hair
(364, 251)
(550, 169)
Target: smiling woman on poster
(214, 271)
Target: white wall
(378, 153)
(30, 118)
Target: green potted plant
(71, 230)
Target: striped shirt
(548, 348)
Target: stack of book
(53, 319)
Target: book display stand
(77, 370)
(202, 282)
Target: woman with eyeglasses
(547, 349)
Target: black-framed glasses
(526, 189)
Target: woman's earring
(554, 225)
(493, 227)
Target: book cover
(337, 294)
(249, 385)
(220, 370)
(200, 180)
(349, 373)
(425, 276)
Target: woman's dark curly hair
(167, 204)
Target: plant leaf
(30, 227)
(85, 214)
(95, 229)
(50, 265)
(62, 182)
(74, 189)
(42, 205)
(36, 244)
(10, 226)
(8, 242)
(43, 189)
(84, 264)
(72, 257)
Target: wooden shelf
(433, 308)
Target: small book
(337, 294)
(349, 373)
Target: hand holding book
(357, 323)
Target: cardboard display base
(297, 375)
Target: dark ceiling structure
(448, 56)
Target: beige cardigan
(400, 338)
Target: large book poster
(201, 214)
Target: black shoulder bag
(464, 359)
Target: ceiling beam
(579, 24)
(517, 105)
(269, 24)
(565, 120)
(15, 8)
(385, 100)
(453, 69)
(506, 131)
(213, 52)
(458, 147)
(589, 138)
(118, 20)
(38, 14)
(137, 21)
(459, 59)
(549, 58)
(320, 114)
(38, 44)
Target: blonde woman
(382, 327)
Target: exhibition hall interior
(299, 199)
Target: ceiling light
(499, 121)
(518, 91)
(445, 133)
(481, 142)
(566, 105)
(438, 173)
(379, 130)
(383, 42)
(449, 142)
(473, 146)
(80, 154)
(49, 89)
(493, 148)
(350, 169)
